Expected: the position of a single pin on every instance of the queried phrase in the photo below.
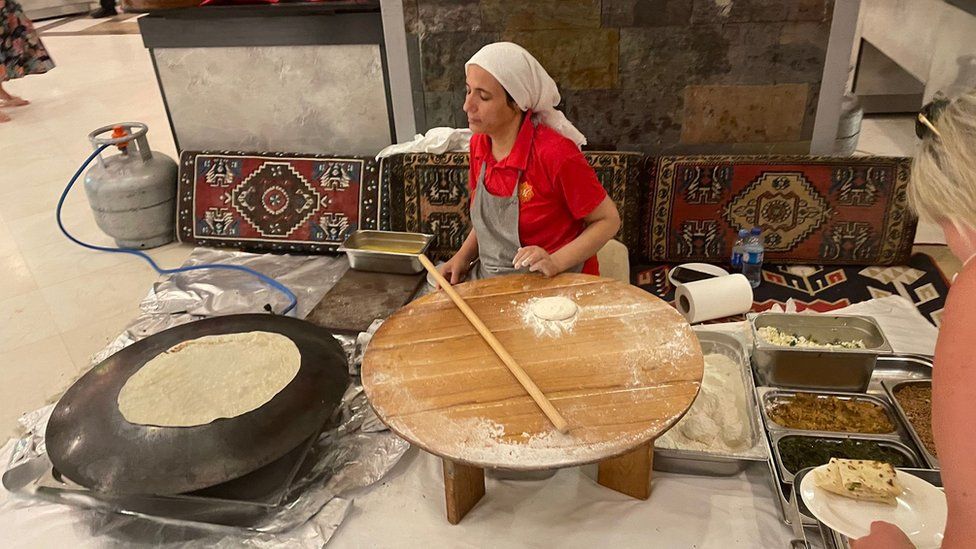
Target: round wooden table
(623, 370)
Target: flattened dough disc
(212, 377)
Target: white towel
(437, 141)
(528, 83)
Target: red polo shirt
(558, 187)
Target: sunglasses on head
(930, 113)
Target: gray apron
(496, 222)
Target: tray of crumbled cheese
(814, 351)
(720, 434)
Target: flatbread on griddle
(198, 381)
(860, 479)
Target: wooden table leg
(630, 473)
(464, 486)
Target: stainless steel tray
(892, 368)
(891, 389)
(362, 258)
(787, 477)
(768, 394)
(717, 464)
(897, 368)
(818, 368)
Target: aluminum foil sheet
(193, 295)
(356, 453)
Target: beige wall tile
(751, 114)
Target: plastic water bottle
(737, 250)
(752, 257)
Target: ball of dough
(554, 308)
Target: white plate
(702, 267)
(920, 513)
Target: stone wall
(657, 76)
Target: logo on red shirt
(525, 192)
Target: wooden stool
(621, 372)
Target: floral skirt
(21, 51)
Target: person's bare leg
(7, 100)
(4, 117)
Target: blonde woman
(943, 187)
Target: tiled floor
(60, 303)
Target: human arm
(456, 268)
(601, 225)
(883, 536)
(953, 407)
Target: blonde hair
(943, 185)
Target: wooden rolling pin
(547, 408)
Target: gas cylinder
(132, 193)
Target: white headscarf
(528, 83)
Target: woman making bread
(943, 186)
(536, 205)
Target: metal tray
(889, 368)
(406, 262)
(768, 394)
(695, 462)
(895, 368)
(818, 368)
(891, 389)
(787, 477)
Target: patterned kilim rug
(844, 211)
(827, 288)
(429, 194)
(274, 202)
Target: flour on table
(718, 420)
(483, 440)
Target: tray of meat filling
(720, 434)
(829, 412)
(913, 402)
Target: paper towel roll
(714, 298)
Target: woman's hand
(455, 270)
(537, 260)
(883, 536)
